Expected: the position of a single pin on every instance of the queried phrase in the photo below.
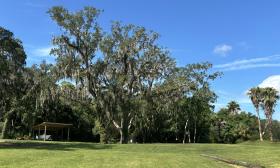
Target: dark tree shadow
(52, 145)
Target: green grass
(26, 154)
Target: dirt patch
(233, 162)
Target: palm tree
(255, 95)
(233, 107)
(270, 97)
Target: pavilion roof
(52, 125)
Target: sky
(240, 38)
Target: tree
(76, 48)
(189, 87)
(133, 64)
(255, 95)
(233, 107)
(270, 97)
(201, 92)
(12, 62)
(130, 63)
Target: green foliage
(228, 127)
(276, 130)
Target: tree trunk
(270, 127)
(124, 131)
(185, 133)
(121, 136)
(5, 129)
(219, 131)
(194, 136)
(189, 136)
(259, 123)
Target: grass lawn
(19, 154)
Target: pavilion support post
(68, 132)
(62, 134)
(45, 133)
(39, 131)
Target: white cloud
(272, 81)
(45, 51)
(269, 61)
(222, 49)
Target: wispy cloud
(241, 98)
(225, 97)
(229, 96)
(222, 49)
(178, 50)
(45, 51)
(269, 61)
(35, 54)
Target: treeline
(113, 86)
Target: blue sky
(241, 38)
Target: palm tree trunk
(259, 123)
(270, 127)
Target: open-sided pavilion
(52, 126)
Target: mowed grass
(26, 154)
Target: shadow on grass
(52, 145)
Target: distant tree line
(121, 86)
